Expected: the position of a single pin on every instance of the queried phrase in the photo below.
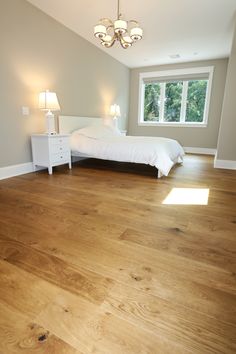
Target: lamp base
(50, 123)
(115, 122)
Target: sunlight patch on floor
(187, 196)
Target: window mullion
(142, 101)
(184, 102)
(162, 103)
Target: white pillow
(98, 131)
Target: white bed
(90, 137)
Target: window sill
(173, 125)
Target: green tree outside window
(195, 103)
(196, 100)
(173, 98)
(152, 102)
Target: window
(177, 97)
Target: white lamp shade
(48, 101)
(136, 33)
(120, 26)
(115, 110)
(127, 42)
(127, 39)
(100, 31)
(107, 38)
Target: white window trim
(184, 102)
(188, 71)
(162, 106)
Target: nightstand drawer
(59, 148)
(59, 141)
(63, 156)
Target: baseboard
(225, 164)
(201, 151)
(17, 170)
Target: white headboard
(67, 124)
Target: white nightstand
(123, 132)
(50, 150)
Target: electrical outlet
(25, 111)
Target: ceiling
(192, 29)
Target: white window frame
(209, 70)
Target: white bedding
(162, 153)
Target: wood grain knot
(147, 269)
(136, 277)
(43, 337)
(84, 213)
(177, 229)
(32, 326)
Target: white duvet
(162, 153)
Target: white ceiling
(194, 29)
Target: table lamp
(115, 113)
(48, 102)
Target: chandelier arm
(112, 43)
(123, 42)
(105, 19)
(110, 26)
(123, 45)
(133, 22)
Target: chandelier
(126, 32)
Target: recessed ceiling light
(174, 56)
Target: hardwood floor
(91, 261)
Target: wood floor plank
(53, 269)
(23, 291)
(19, 335)
(188, 328)
(182, 244)
(96, 331)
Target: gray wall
(192, 137)
(38, 53)
(226, 149)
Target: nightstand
(50, 150)
(123, 132)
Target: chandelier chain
(118, 9)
